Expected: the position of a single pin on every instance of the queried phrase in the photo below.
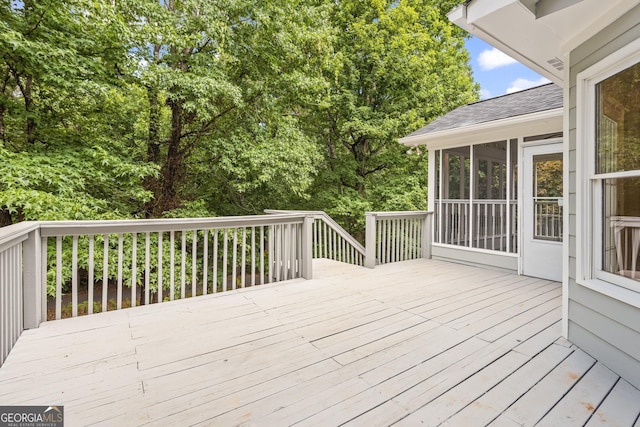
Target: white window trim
(588, 242)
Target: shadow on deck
(406, 343)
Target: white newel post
(307, 247)
(370, 240)
(427, 231)
(32, 280)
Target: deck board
(421, 341)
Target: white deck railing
(483, 224)
(397, 236)
(330, 240)
(15, 297)
(91, 266)
(147, 261)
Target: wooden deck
(418, 342)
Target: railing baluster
(419, 240)
(10, 311)
(262, 254)
(400, 239)
(120, 267)
(160, 267)
(10, 314)
(405, 239)
(105, 273)
(5, 304)
(253, 256)
(380, 241)
(314, 230)
(325, 239)
(493, 226)
(5, 299)
(205, 261)
(270, 254)
(284, 251)
(134, 265)
(385, 241)
(244, 257)
(215, 262)
(225, 246)
(183, 264)
(74, 276)
(172, 250)
(147, 268)
(286, 256)
(234, 264)
(417, 236)
(59, 277)
(91, 273)
(274, 266)
(396, 240)
(194, 260)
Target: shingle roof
(541, 98)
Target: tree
(62, 156)
(226, 83)
(398, 65)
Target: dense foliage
(147, 108)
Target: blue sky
(497, 73)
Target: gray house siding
(605, 327)
(479, 259)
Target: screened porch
(476, 201)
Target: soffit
(538, 33)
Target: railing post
(370, 240)
(32, 282)
(307, 247)
(427, 231)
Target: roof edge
(480, 128)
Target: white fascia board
(479, 9)
(526, 125)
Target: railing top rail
(316, 214)
(400, 214)
(70, 228)
(11, 235)
(328, 220)
(502, 201)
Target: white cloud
(493, 58)
(522, 84)
(485, 94)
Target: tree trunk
(3, 136)
(153, 147)
(171, 171)
(28, 106)
(5, 218)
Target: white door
(542, 212)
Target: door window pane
(547, 197)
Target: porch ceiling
(538, 33)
